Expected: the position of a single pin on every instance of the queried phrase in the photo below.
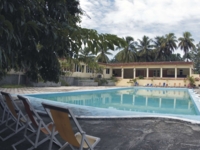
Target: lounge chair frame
(39, 125)
(16, 120)
(4, 109)
(60, 116)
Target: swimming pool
(125, 101)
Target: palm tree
(128, 53)
(102, 56)
(107, 42)
(165, 46)
(85, 55)
(186, 42)
(176, 57)
(144, 48)
(159, 50)
(169, 45)
(195, 54)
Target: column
(190, 72)
(134, 73)
(161, 72)
(85, 68)
(147, 72)
(175, 72)
(122, 73)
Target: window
(88, 70)
(181, 72)
(77, 68)
(107, 71)
(156, 73)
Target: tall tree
(38, 31)
(186, 42)
(144, 48)
(195, 55)
(176, 57)
(129, 52)
(103, 55)
(34, 34)
(85, 55)
(159, 50)
(169, 45)
(107, 45)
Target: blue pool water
(147, 100)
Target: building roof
(147, 63)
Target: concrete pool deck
(124, 134)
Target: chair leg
(65, 145)
(7, 137)
(19, 142)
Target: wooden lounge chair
(39, 126)
(60, 117)
(15, 121)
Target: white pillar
(161, 72)
(190, 73)
(122, 73)
(134, 73)
(175, 72)
(147, 72)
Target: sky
(137, 18)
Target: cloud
(137, 18)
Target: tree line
(161, 48)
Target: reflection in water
(139, 100)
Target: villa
(171, 73)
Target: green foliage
(191, 80)
(145, 49)
(128, 53)
(63, 83)
(186, 43)
(134, 80)
(140, 77)
(35, 34)
(12, 86)
(101, 81)
(114, 79)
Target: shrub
(64, 83)
(141, 77)
(114, 79)
(101, 81)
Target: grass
(12, 86)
